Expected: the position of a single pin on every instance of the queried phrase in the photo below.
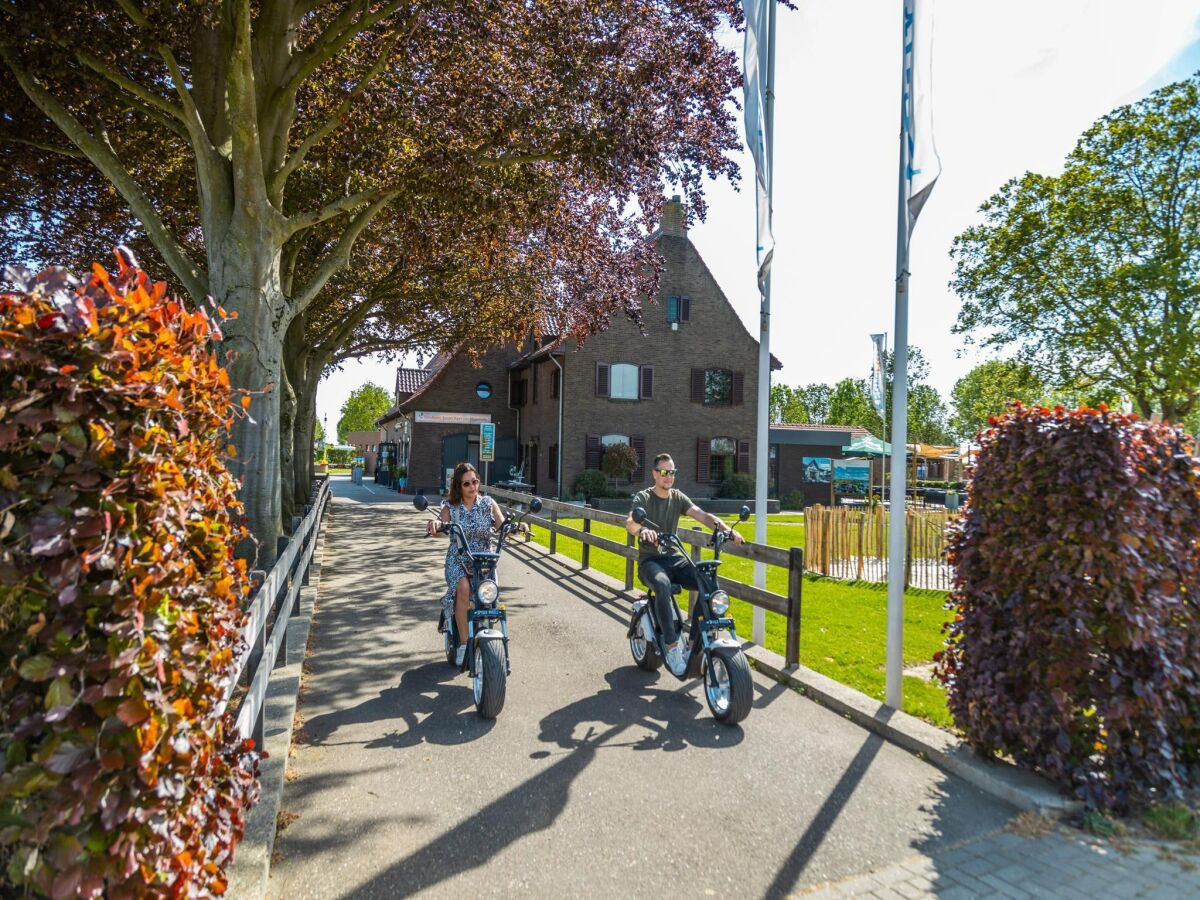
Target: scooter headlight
(719, 601)
(489, 593)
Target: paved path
(597, 780)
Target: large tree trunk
(287, 422)
(297, 357)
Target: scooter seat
(676, 589)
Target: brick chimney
(674, 218)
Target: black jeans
(659, 572)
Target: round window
(483, 390)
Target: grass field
(843, 624)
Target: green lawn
(843, 624)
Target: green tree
(1093, 276)
(815, 398)
(988, 389)
(318, 433)
(361, 409)
(787, 405)
(850, 405)
(926, 411)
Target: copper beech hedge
(120, 599)
(1075, 642)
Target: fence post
(629, 542)
(908, 548)
(553, 529)
(791, 653)
(585, 555)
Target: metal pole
(897, 511)
(763, 435)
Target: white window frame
(624, 381)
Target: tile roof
(409, 380)
(854, 430)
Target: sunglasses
(666, 473)
(470, 483)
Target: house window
(533, 377)
(483, 390)
(552, 462)
(718, 387)
(554, 378)
(516, 396)
(679, 309)
(609, 439)
(623, 382)
(722, 460)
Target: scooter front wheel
(490, 680)
(728, 687)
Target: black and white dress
(476, 523)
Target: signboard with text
(452, 418)
(487, 442)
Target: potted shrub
(402, 477)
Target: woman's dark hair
(460, 472)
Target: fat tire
(448, 645)
(645, 654)
(489, 665)
(741, 686)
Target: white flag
(921, 163)
(876, 385)
(756, 72)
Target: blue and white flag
(876, 384)
(921, 163)
(756, 78)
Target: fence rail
(271, 608)
(788, 605)
(853, 544)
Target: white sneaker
(460, 655)
(675, 660)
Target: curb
(251, 867)
(1017, 787)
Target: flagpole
(897, 514)
(763, 433)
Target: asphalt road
(597, 780)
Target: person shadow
(668, 718)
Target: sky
(1014, 85)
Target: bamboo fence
(848, 543)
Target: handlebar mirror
(421, 502)
(535, 505)
(744, 514)
(638, 515)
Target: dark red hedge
(1075, 644)
(120, 599)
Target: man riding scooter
(660, 565)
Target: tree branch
(208, 161)
(337, 258)
(126, 83)
(297, 223)
(249, 181)
(334, 39)
(194, 281)
(135, 15)
(49, 148)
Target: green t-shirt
(664, 512)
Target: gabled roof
(855, 430)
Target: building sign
(816, 469)
(487, 442)
(452, 418)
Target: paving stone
(1005, 888)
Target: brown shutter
(601, 380)
(738, 379)
(591, 453)
(685, 309)
(533, 377)
(638, 443)
(647, 382)
(743, 457)
(697, 385)
(703, 459)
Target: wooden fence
(791, 559)
(852, 543)
(271, 608)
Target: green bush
(590, 483)
(120, 598)
(1075, 641)
(619, 461)
(341, 456)
(737, 487)
(792, 500)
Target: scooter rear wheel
(728, 687)
(490, 680)
(448, 645)
(644, 653)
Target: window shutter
(672, 309)
(592, 452)
(685, 309)
(533, 377)
(697, 385)
(738, 379)
(703, 459)
(743, 457)
(638, 443)
(601, 381)
(647, 382)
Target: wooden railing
(271, 607)
(791, 559)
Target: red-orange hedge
(120, 598)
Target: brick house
(366, 445)
(792, 444)
(686, 387)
